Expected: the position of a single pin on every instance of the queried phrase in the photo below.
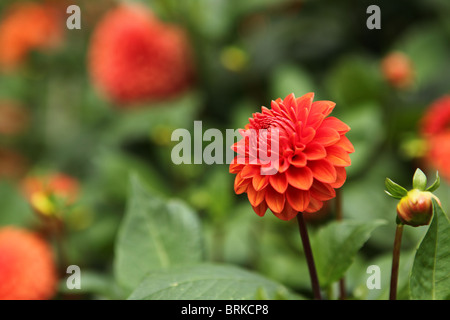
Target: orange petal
(298, 159)
(336, 124)
(305, 102)
(249, 171)
(235, 167)
(287, 214)
(240, 184)
(297, 199)
(322, 191)
(274, 200)
(345, 144)
(326, 136)
(341, 177)
(261, 209)
(255, 197)
(338, 156)
(314, 205)
(259, 182)
(323, 170)
(300, 178)
(315, 151)
(279, 182)
(324, 107)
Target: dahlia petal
(235, 167)
(240, 184)
(338, 156)
(322, 191)
(287, 214)
(345, 144)
(314, 205)
(261, 209)
(259, 182)
(336, 124)
(315, 120)
(323, 170)
(298, 159)
(308, 134)
(249, 171)
(275, 106)
(304, 102)
(279, 182)
(290, 101)
(315, 151)
(326, 136)
(298, 199)
(255, 197)
(341, 177)
(324, 107)
(300, 178)
(275, 201)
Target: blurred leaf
(290, 79)
(154, 234)
(355, 80)
(430, 276)
(335, 246)
(208, 282)
(141, 122)
(14, 207)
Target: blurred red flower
(27, 267)
(134, 57)
(313, 154)
(28, 26)
(435, 128)
(398, 70)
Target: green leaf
(335, 247)
(208, 282)
(394, 190)
(430, 276)
(435, 184)
(154, 234)
(419, 180)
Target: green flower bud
(416, 208)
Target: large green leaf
(154, 234)
(430, 275)
(209, 282)
(335, 247)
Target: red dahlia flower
(134, 57)
(27, 267)
(435, 128)
(313, 152)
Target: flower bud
(416, 208)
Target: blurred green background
(247, 53)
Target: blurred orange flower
(28, 26)
(398, 70)
(13, 165)
(134, 57)
(435, 128)
(41, 190)
(13, 118)
(313, 153)
(27, 267)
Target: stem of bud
(396, 262)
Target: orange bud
(416, 208)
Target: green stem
(309, 256)
(339, 217)
(396, 262)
